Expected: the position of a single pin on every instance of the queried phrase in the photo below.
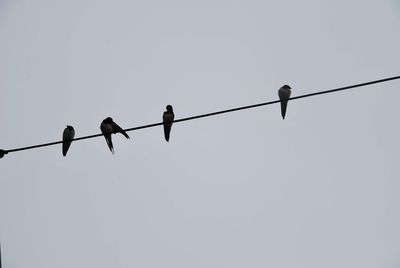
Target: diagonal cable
(3, 152)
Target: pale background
(246, 189)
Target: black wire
(3, 152)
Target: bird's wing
(284, 93)
(117, 129)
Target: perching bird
(168, 118)
(108, 127)
(68, 136)
(284, 94)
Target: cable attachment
(2, 153)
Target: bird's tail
(65, 147)
(283, 108)
(167, 130)
(109, 142)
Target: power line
(3, 152)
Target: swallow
(68, 136)
(108, 127)
(284, 94)
(168, 119)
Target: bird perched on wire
(168, 119)
(68, 136)
(284, 94)
(108, 127)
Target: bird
(68, 136)
(168, 119)
(108, 127)
(284, 94)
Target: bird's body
(168, 119)
(284, 94)
(68, 136)
(108, 127)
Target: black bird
(68, 136)
(168, 119)
(284, 94)
(108, 127)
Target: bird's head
(108, 120)
(169, 108)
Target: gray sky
(247, 189)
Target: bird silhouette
(108, 127)
(68, 136)
(284, 94)
(168, 119)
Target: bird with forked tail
(108, 127)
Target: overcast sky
(245, 189)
